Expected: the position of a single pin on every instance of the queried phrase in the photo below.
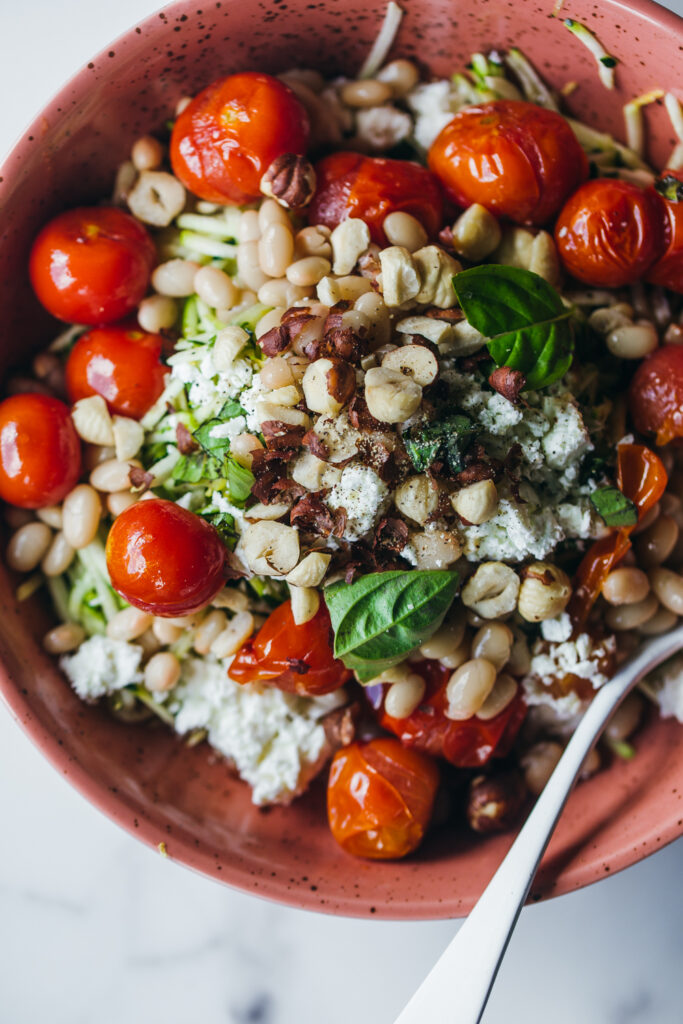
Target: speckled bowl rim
(276, 890)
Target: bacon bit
(445, 237)
(139, 478)
(340, 518)
(232, 567)
(184, 439)
(508, 382)
(294, 312)
(470, 364)
(451, 316)
(316, 445)
(475, 473)
(340, 725)
(311, 513)
(341, 381)
(391, 535)
(361, 418)
(298, 666)
(288, 490)
(280, 435)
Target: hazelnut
(494, 802)
(290, 181)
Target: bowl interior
(142, 777)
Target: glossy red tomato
(297, 659)
(370, 187)
(466, 744)
(668, 270)
(164, 559)
(91, 265)
(40, 451)
(610, 232)
(227, 137)
(656, 394)
(516, 159)
(122, 364)
(380, 798)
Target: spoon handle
(458, 986)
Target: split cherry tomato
(296, 659)
(369, 187)
(380, 798)
(122, 364)
(228, 136)
(641, 476)
(91, 265)
(40, 451)
(656, 394)
(610, 232)
(516, 159)
(164, 559)
(466, 744)
(668, 270)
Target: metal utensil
(457, 988)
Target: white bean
(129, 624)
(28, 546)
(59, 557)
(147, 153)
(276, 249)
(236, 633)
(633, 341)
(52, 515)
(175, 278)
(215, 288)
(112, 475)
(308, 271)
(209, 629)
(81, 512)
(166, 632)
(65, 637)
(403, 229)
(162, 672)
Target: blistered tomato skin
(40, 451)
(122, 364)
(610, 233)
(370, 188)
(296, 659)
(466, 744)
(516, 159)
(380, 798)
(91, 265)
(668, 270)
(656, 394)
(226, 138)
(163, 559)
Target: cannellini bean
(447, 640)
(147, 153)
(308, 271)
(519, 662)
(215, 288)
(112, 475)
(129, 624)
(52, 515)
(232, 599)
(175, 278)
(543, 258)
(249, 227)
(493, 641)
(366, 92)
(208, 630)
(538, 764)
(404, 229)
(630, 616)
(157, 313)
(401, 75)
(502, 694)
(119, 501)
(468, 688)
(661, 622)
(404, 696)
(59, 556)
(271, 212)
(65, 637)
(28, 546)
(276, 249)
(591, 764)
(162, 672)
(633, 341)
(476, 233)
(626, 586)
(248, 265)
(305, 603)
(128, 437)
(625, 719)
(156, 198)
(236, 633)
(81, 512)
(668, 588)
(476, 503)
(166, 632)
(657, 543)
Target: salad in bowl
(358, 454)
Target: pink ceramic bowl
(144, 779)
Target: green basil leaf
(670, 187)
(383, 616)
(223, 522)
(614, 507)
(447, 438)
(524, 318)
(240, 482)
(190, 469)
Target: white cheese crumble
(558, 629)
(551, 662)
(101, 666)
(206, 387)
(271, 737)
(514, 533)
(667, 684)
(433, 106)
(229, 429)
(249, 400)
(363, 496)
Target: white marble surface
(95, 927)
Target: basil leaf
(240, 482)
(448, 438)
(223, 522)
(670, 187)
(384, 616)
(191, 469)
(614, 507)
(523, 317)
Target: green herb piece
(622, 749)
(614, 507)
(608, 61)
(223, 522)
(240, 482)
(382, 617)
(670, 188)
(528, 327)
(191, 469)
(448, 438)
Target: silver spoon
(457, 988)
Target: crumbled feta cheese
(272, 737)
(558, 629)
(582, 657)
(206, 387)
(363, 496)
(667, 683)
(383, 127)
(101, 666)
(250, 399)
(229, 429)
(433, 105)
(224, 505)
(567, 440)
(514, 533)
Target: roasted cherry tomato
(516, 159)
(122, 364)
(40, 452)
(466, 744)
(371, 187)
(164, 559)
(610, 232)
(656, 394)
(91, 265)
(380, 798)
(297, 659)
(228, 136)
(641, 476)
(668, 270)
